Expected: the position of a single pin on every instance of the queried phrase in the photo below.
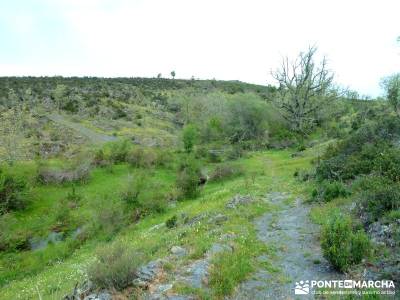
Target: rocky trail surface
(90, 134)
(297, 254)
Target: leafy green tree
(188, 178)
(391, 85)
(189, 137)
(173, 74)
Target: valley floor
(254, 249)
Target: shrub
(62, 215)
(303, 175)
(163, 157)
(215, 155)
(171, 222)
(225, 171)
(12, 240)
(328, 191)
(387, 163)
(13, 192)
(73, 196)
(115, 266)
(135, 188)
(100, 159)
(201, 151)
(188, 178)
(229, 269)
(189, 137)
(109, 216)
(380, 198)
(235, 152)
(143, 158)
(119, 151)
(341, 245)
(367, 150)
(154, 203)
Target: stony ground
(297, 254)
(94, 137)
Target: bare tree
(303, 85)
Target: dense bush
(62, 215)
(188, 179)
(378, 198)
(235, 152)
(248, 120)
(109, 216)
(143, 197)
(13, 192)
(189, 137)
(119, 151)
(369, 149)
(171, 222)
(12, 240)
(327, 191)
(342, 245)
(115, 266)
(155, 202)
(140, 157)
(135, 188)
(387, 164)
(100, 158)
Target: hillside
(151, 188)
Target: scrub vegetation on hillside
(102, 177)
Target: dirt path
(93, 136)
(297, 254)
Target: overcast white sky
(222, 39)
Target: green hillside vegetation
(100, 176)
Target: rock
(137, 282)
(218, 219)
(196, 219)
(198, 274)
(85, 288)
(276, 196)
(239, 200)
(162, 288)
(384, 234)
(178, 251)
(180, 297)
(104, 295)
(148, 273)
(217, 248)
(80, 291)
(156, 296)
